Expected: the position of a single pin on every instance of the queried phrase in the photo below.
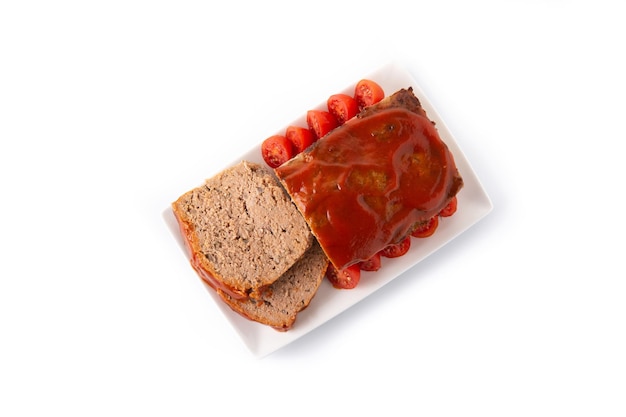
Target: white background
(105, 105)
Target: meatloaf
(370, 182)
(241, 229)
(278, 304)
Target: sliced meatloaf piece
(241, 229)
(278, 304)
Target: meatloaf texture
(241, 229)
(278, 304)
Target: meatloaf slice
(241, 229)
(278, 304)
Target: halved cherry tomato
(450, 209)
(368, 92)
(300, 138)
(397, 249)
(342, 107)
(276, 150)
(320, 122)
(372, 264)
(427, 228)
(346, 279)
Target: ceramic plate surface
(473, 204)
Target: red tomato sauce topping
(369, 183)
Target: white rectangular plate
(473, 204)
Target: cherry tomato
(368, 92)
(342, 107)
(299, 137)
(320, 122)
(427, 228)
(346, 278)
(397, 249)
(276, 150)
(372, 264)
(450, 209)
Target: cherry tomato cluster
(349, 277)
(278, 149)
